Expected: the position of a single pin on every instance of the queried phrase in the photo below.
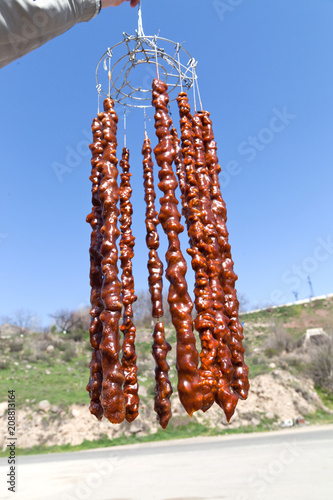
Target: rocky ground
(49, 372)
(274, 396)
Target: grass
(320, 417)
(64, 386)
(326, 397)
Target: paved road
(285, 465)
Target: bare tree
(66, 320)
(142, 310)
(83, 318)
(279, 340)
(322, 364)
(25, 320)
(5, 319)
(243, 302)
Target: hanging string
(98, 87)
(197, 84)
(140, 26)
(145, 121)
(125, 124)
(157, 72)
(180, 71)
(109, 76)
(194, 98)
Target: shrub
(279, 340)
(321, 367)
(42, 356)
(78, 335)
(270, 352)
(3, 364)
(16, 345)
(69, 353)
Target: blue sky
(265, 74)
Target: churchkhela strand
(222, 375)
(112, 399)
(224, 396)
(161, 347)
(126, 245)
(240, 381)
(180, 303)
(180, 169)
(94, 386)
(199, 251)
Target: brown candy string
(223, 374)
(161, 347)
(180, 168)
(189, 382)
(94, 386)
(155, 266)
(113, 399)
(126, 245)
(240, 382)
(196, 218)
(225, 397)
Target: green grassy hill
(54, 367)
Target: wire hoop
(138, 59)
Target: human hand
(115, 3)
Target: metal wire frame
(140, 49)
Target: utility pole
(311, 288)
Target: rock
(16, 363)
(136, 427)
(303, 407)
(3, 408)
(272, 365)
(49, 349)
(255, 422)
(44, 405)
(47, 372)
(76, 412)
(270, 415)
(7, 330)
(28, 367)
(143, 391)
(54, 409)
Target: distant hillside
(294, 319)
(49, 372)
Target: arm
(28, 24)
(115, 3)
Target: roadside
(293, 464)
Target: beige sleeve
(28, 24)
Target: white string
(145, 118)
(109, 76)
(125, 126)
(98, 88)
(197, 83)
(194, 98)
(156, 58)
(140, 25)
(180, 71)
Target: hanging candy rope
(219, 373)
